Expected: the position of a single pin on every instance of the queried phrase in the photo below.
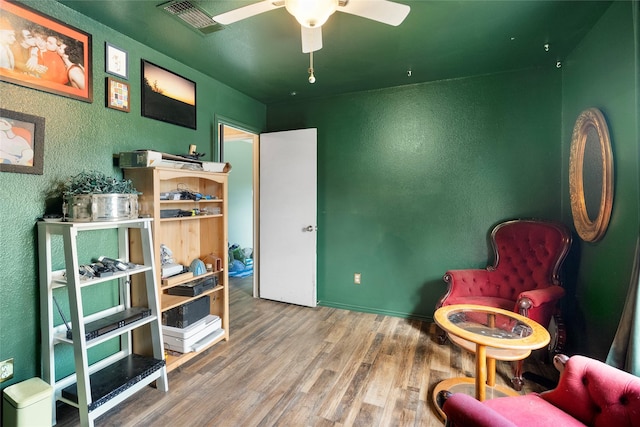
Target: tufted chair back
(597, 394)
(528, 255)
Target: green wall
(240, 207)
(81, 136)
(412, 179)
(603, 72)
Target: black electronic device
(195, 287)
(115, 378)
(190, 195)
(109, 323)
(176, 213)
(187, 314)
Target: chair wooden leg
(441, 335)
(517, 382)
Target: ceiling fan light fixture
(311, 13)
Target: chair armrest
(463, 410)
(539, 304)
(465, 282)
(538, 297)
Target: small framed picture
(116, 61)
(21, 142)
(118, 96)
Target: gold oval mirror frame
(591, 160)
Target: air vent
(192, 15)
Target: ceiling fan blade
(311, 39)
(384, 11)
(241, 13)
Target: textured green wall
(85, 136)
(603, 72)
(411, 179)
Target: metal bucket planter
(101, 207)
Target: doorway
(241, 149)
(287, 221)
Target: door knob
(310, 228)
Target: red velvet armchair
(589, 393)
(524, 277)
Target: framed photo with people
(43, 53)
(21, 142)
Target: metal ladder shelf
(105, 390)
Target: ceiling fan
(312, 14)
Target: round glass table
(492, 334)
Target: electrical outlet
(356, 278)
(6, 370)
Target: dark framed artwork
(118, 95)
(43, 53)
(168, 97)
(116, 61)
(21, 142)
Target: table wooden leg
(481, 371)
(491, 362)
(491, 371)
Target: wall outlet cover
(6, 370)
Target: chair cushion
(463, 410)
(521, 411)
(502, 303)
(531, 411)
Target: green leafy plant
(94, 182)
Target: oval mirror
(591, 175)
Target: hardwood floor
(286, 365)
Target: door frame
(240, 130)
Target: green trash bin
(27, 404)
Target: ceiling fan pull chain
(312, 78)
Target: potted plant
(94, 196)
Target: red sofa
(589, 393)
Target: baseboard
(351, 307)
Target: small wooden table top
(492, 327)
(492, 334)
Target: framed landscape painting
(40, 52)
(167, 96)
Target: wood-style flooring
(287, 365)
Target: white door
(288, 216)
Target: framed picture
(118, 95)
(167, 96)
(44, 53)
(116, 61)
(21, 142)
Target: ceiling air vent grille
(196, 18)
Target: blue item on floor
(239, 269)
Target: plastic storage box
(27, 404)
